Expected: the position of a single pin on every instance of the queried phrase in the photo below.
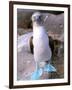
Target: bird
(41, 48)
(51, 44)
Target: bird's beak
(46, 17)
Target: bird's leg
(48, 62)
(37, 73)
(37, 66)
(42, 64)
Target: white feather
(42, 51)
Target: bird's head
(39, 18)
(36, 17)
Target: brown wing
(31, 45)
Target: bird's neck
(38, 29)
(37, 25)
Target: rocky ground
(26, 63)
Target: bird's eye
(39, 17)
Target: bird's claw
(36, 74)
(49, 68)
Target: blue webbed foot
(36, 74)
(49, 68)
